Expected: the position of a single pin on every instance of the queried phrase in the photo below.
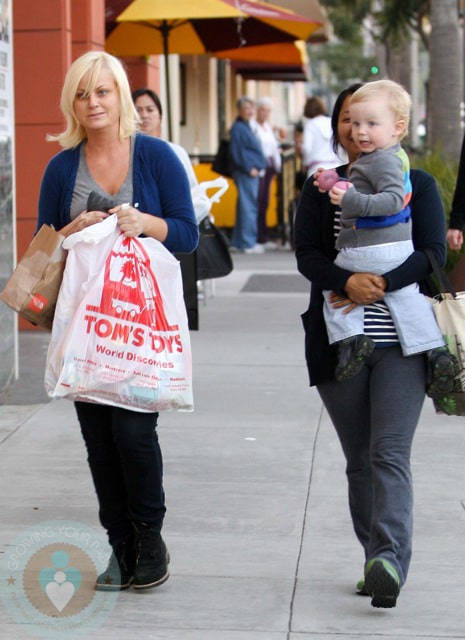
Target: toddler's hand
(337, 192)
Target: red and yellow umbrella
(203, 26)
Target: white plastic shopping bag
(120, 334)
(202, 201)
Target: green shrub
(445, 173)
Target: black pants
(263, 202)
(127, 467)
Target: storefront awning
(313, 10)
(264, 71)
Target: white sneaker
(271, 246)
(257, 248)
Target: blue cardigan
(160, 187)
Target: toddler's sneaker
(353, 353)
(442, 369)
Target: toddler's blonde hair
(398, 99)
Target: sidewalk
(257, 524)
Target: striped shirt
(378, 322)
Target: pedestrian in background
(271, 151)
(317, 149)
(150, 111)
(248, 164)
(103, 152)
(457, 214)
(148, 106)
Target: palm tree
(445, 86)
(437, 24)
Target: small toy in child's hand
(341, 184)
(327, 179)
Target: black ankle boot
(152, 560)
(119, 574)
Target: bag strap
(443, 282)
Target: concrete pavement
(257, 524)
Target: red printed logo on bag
(37, 303)
(130, 289)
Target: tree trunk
(399, 65)
(445, 86)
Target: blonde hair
(398, 99)
(93, 62)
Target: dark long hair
(337, 110)
(151, 94)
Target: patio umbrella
(283, 53)
(202, 26)
(284, 61)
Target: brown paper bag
(33, 287)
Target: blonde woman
(103, 152)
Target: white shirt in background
(270, 145)
(317, 150)
(186, 161)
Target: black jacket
(457, 214)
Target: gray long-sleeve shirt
(381, 184)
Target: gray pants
(375, 414)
